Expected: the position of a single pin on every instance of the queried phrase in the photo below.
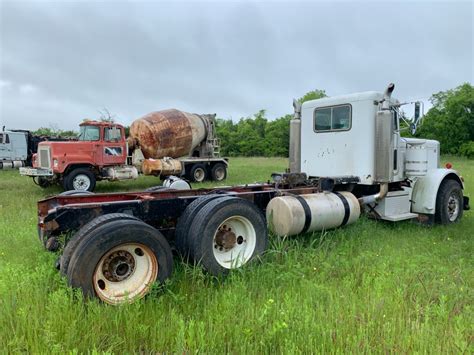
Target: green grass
(369, 287)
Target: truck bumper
(36, 172)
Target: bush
(467, 149)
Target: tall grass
(369, 287)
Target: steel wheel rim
(220, 173)
(453, 207)
(118, 279)
(232, 252)
(81, 182)
(199, 174)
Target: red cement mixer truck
(162, 143)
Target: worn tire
(87, 174)
(449, 202)
(98, 247)
(249, 241)
(86, 229)
(219, 172)
(182, 234)
(198, 173)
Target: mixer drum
(168, 133)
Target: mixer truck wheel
(119, 261)
(219, 172)
(449, 202)
(198, 173)
(81, 179)
(184, 228)
(227, 234)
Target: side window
(323, 119)
(1, 137)
(112, 134)
(7, 138)
(337, 118)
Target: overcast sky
(63, 61)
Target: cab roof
(99, 124)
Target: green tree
(312, 95)
(451, 120)
(257, 135)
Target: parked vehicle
(17, 147)
(13, 149)
(354, 160)
(162, 143)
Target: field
(369, 287)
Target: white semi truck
(346, 157)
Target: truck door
(5, 147)
(19, 146)
(113, 146)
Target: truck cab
(13, 149)
(99, 148)
(355, 140)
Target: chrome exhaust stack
(295, 139)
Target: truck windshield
(89, 133)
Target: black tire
(109, 242)
(76, 193)
(43, 182)
(219, 172)
(449, 202)
(182, 234)
(85, 177)
(198, 173)
(86, 229)
(215, 216)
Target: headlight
(55, 163)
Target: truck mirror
(417, 111)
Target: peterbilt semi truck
(162, 143)
(347, 157)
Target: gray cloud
(63, 61)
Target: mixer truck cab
(100, 152)
(163, 144)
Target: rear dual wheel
(119, 260)
(222, 233)
(199, 172)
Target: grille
(44, 159)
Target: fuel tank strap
(307, 213)
(347, 209)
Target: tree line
(450, 121)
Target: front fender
(425, 189)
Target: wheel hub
(225, 238)
(453, 207)
(81, 182)
(118, 266)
